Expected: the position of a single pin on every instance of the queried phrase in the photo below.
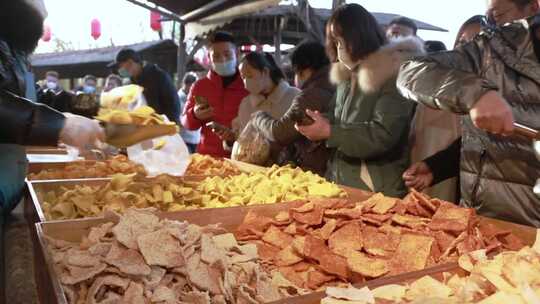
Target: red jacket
(225, 102)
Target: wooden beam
(277, 40)
(182, 58)
(172, 16)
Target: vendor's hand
(79, 131)
(203, 113)
(418, 176)
(319, 130)
(493, 114)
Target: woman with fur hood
(368, 127)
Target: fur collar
(379, 67)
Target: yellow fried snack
(120, 97)
(160, 144)
(91, 169)
(174, 194)
(208, 165)
(142, 116)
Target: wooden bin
(525, 233)
(230, 218)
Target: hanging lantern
(95, 28)
(46, 33)
(155, 21)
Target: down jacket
(497, 173)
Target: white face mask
(227, 68)
(344, 57)
(253, 85)
(51, 85)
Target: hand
(493, 114)
(79, 131)
(203, 113)
(319, 130)
(225, 135)
(418, 176)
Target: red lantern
(155, 21)
(95, 27)
(46, 33)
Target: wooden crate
(230, 218)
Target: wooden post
(277, 40)
(181, 61)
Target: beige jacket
(276, 104)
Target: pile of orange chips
(91, 169)
(208, 165)
(330, 242)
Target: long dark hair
(261, 61)
(358, 28)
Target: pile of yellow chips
(277, 184)
(122, 192)
(142, 116)
(174, 194)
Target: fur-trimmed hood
(379, 67)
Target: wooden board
(45, 150)
(37, 189)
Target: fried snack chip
(451, 218)
(166, 267)
(349, 295)
(142, 116)
(207, 165)
(347, 238)
(91, 169)
(366, 240)
(412, 253)
(274, 236)
(366, 266)
(508, 277)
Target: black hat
(123, 55)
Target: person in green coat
(368, 128)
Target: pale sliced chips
(171, 262)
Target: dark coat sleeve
(445, 164)
(449, 81)
(282, 130)
(24, 122)
(168, 98)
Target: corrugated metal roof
(105, 55)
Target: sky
(124, 23)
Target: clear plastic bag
(251, 147)
(172, 158)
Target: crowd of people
(375, 109)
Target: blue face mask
(89, 89)
(123, 73)
(227, 68)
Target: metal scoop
(125, 135)
(535, 136)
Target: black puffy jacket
(22, 121)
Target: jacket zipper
(479, 176)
